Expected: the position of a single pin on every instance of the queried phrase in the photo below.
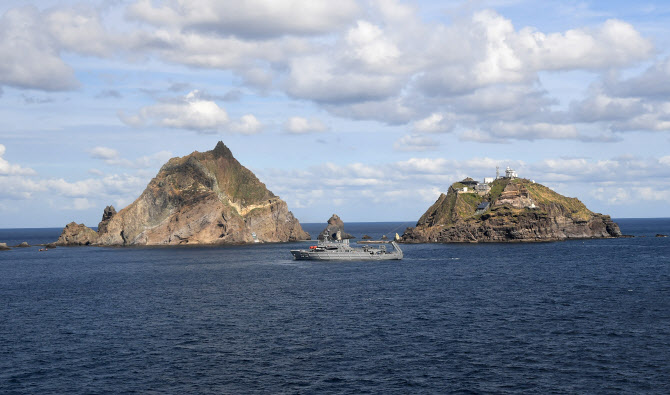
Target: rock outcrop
(76, 234)
(202, 198)
(23, 244)
(335, 225)
(3, 247)
(107, 215)
(518, 210)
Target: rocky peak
(221, 151)
(201, 198)
(335, 224)
(107, 215)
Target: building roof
(483, 206)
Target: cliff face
(519, 210)
(202, 198)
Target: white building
(510, 173)
(488, 180)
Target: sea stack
(507, 209)
(335, 225)
(202, 198)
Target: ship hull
(304, 255)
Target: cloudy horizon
(365, 108)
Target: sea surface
(580, 316)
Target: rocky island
(202, 198)
(507, 209)
(335, 224)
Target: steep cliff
(517, 210)
(202, 198)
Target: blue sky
(367, 109)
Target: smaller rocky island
(335, 225)
(507, 209)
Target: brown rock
(335, 225)
(77, 235)
(3, 247)
(23, 245)
(520, 211)
(202, 198)
(107, 215)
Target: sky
(367, 109)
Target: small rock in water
(24, 244)
(660, 235)
(3, 247)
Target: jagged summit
(220, 150)
(202, 198)
(508, 209)
(335, 225)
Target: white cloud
(368, 44)
(434, 123)
(113, 158)
(614, 43)
(249, 18)
(104, 153)
(300, 125)
(80, 30)
(415, 142)
(8, 169)
(29, 55)
(19, 187)
(192, 113)
(248, 124)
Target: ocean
(580, 316)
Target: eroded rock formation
(76, 234)
(202, 198)
(335, 224)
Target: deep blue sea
(582, 316)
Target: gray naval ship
(340, 250)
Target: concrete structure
(483, 206)
(482, 189)
(510, 173)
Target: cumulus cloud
(614, 43)
(434, 123)
(300, 125)
(104, 153)
(113, 158)
(634, 104)
(8, 169)
(192, 113)
(377, 60)
(30, 55)
(413, 142)
(249, 18)
(652, 83)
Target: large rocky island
(202, 198)
(507, 209)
